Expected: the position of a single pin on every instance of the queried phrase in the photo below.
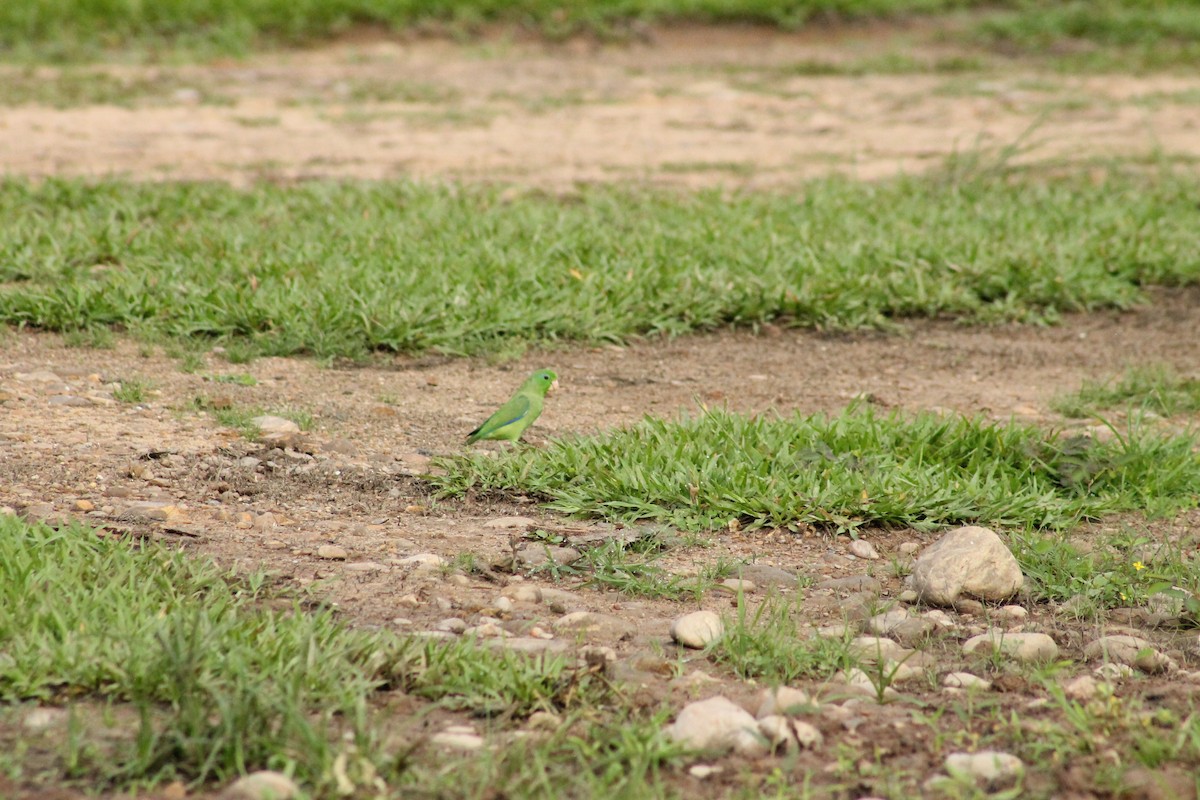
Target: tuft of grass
(241, 418)
(844, 472)
(225, 676)
(763, 643)
(1157, 388)
(235, 378)
(133, 390)
(333, 269)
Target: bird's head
(544, 380)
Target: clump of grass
(241, 418)
(223, 681)
(843, 471)
(235, 378)
(133, 390)
(1156, 388)
(769, 643)
(260, 271)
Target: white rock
(1132, 651)
(1024, 647)
(738, 585)
(873, 649)
(807, 735)
(510, 522)
(992, 769)
(1012, 614)
(1083, 687)
(451, 625)
(1112, 672)
(863, 549)
(262, 785)
(521, 593)
(857, 682)
(717, 724)
(698, 629)
(783, 700)
(44, 717)
(421, 562)
(702, 771)
(883, 624)
(458, 737)
(271, 426)
(502, 604)
(909, 548)
(965, 680)
(970, 562)
(778, 732)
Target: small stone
(702, 771)
(458, 580)
(274, 544)
(1012, 614)
(505, 523)
(861, 548)
(965, 680)
(486, 630)
(717, 724)
(857, 682)
(38, 376)
(875, 649)
(970, 562)
(536, 555)
(69, 400)
(264, 785)
(598, 658)
(738, 585)
(1025, 647)
(249, 462)
(415, 509)
(698, 629)
(1083, 687)
(1132, 651)
(528, 644)
(273, 427)
(521, 593)
(332, 552)
(940, 619)
(785, 701)
(592, 623)
(807, 735)
(543, 721)
(909, 548)
(366, 566)
(992, 769)
(502, 604)
(458, 737)
(1113, 672)
(84, 505)
(778, 733)
(854, 583)
(768, 576)
(420, 563)
(908, 596)
(451, 625)
(44, 718)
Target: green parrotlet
(519, 412)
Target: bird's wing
(512, 411)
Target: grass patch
(764, 644)
(843, 472)
(63, 88)
(226, 676)
(1157, 389)
(241, 418)
(133, 390)
(337, 269)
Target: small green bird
(519, 412)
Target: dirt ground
(693, 108)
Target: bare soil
(692, 108)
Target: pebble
(69, 401)
(458, 737)
(272, 427)
(1112, 672)
(332, 552)
(504, 523)
(909, 548)
(420, 563)
(993, 769)
(538, 554)
(451, 625)
(1132, 651)
(900, 625)
(854, 583)
(264, 785)
(598, 658)
(965, 680)
(970, 562)
(43, 718)
(702, 771)
(502, 604)
(1026, 647)
(366, 566)
(873, 649)
(1012, 614)
(783, 700)
(591, 622)
(857, 682)
(520, 593)
(738, 585)
(717, 724)
(1083, 687)
(861, 548)
(84, 505)
(768, 576)
(528, 644)
(698, 629)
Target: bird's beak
(553, 385)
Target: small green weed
(133, 390)
(767, 643)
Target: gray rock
(262, 785)
(451, 625)
(332, 552)
(768, 576)
(69, 400)
(736, 585)
(965, 680)
(909, 548)
(874, 649)
(1132, 651)
(420, 563)
(970, 562)
(698, 629)
(854, 583)
(523, 593)
(992, 769)
(1026, 647)
(536, 555)
(717, 724)
(900, 625)
(863, 549)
